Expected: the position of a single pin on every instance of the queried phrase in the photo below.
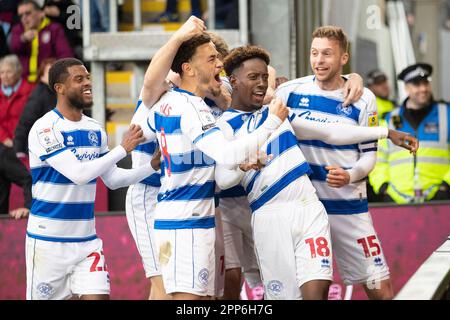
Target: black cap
(416, 72)
(376, 76)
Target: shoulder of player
(292, 84)
(90, 122)
(46, 121)
(367, 98)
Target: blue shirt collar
(8, 91)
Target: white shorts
(140, 209)
(219, 282)
(239, 245)
(59, 270)
(187, 260)
(357, 250)
(293, 247)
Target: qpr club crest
(45, 290)
(93, 138)
(275, 287)
(343, 110)
(203, 276)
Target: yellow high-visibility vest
(395, 165)
(384, 106)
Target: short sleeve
(45, 140)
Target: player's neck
(334, 83)
(236, 104)
(193, 88)
(69, 112)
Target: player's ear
(233, 81)
(187, 69)
(344, 58)
(59, 88)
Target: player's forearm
(363, 166)
(336, 133)
(227, 177)
(155, 76)
(118, 178)
(237, 151)
(81, 173)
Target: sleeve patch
(206, 118)
(48, 140)
(372, 119)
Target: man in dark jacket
(41, 101)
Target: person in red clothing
(14, 93)
(37, 38)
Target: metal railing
(431, 281)
(137, 18)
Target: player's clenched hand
(132, 138)
(337, 177)
(404, 140)
(277, 108)
(353, 89)
(156, 160)
(193, 26)
(257, 162)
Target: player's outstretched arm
(81, 173)
(155, 76)
(118, 178)
(335, 133)
(340, 134)
(404, 140)
(214, 144)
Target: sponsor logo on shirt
(70, 141)
(86, 155)
(378, 261)
(325, 263)
(304, 102)
(308, 116)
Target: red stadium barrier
(409, 234)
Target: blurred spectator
(3, 44)
(56, 10)
(399, 176)
(13, 96)
(171, 14)
(41, 101)
(227, 14)
(99, 14)
(8, 14)
(377, 82)
(37, 38)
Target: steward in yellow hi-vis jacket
(399, 176)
